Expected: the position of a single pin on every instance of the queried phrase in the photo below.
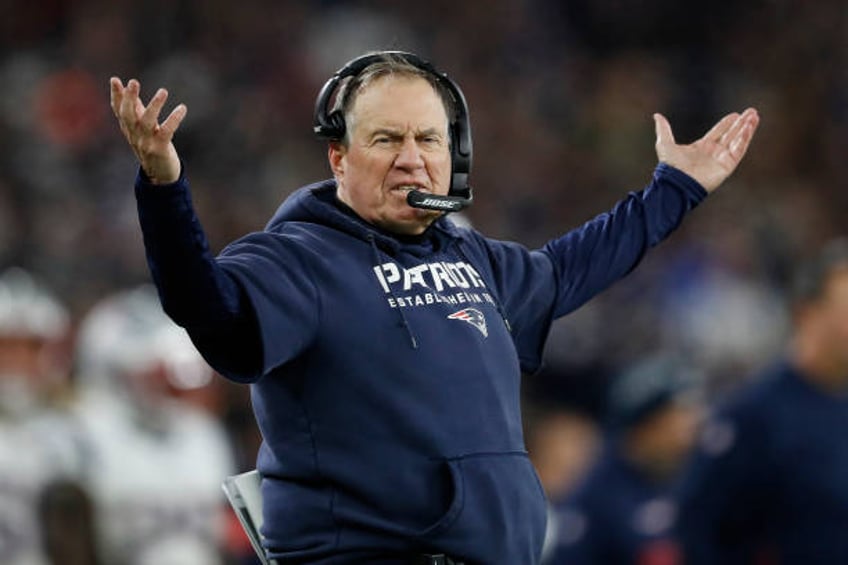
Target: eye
(432, 140)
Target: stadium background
(560, 94)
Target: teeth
(409, 187)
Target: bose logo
(446, 204)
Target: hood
(317, 203)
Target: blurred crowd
(560, 95)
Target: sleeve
(208, 300)
(724, 494)
(282, 293)
(536, 287)
(590, 258)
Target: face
(398, 140)
(832, 312)
(25, 373)
(668, 436)
(563, 447)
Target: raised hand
(711, 159)
(150, 140)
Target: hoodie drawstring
(403, 321)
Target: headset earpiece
(326, 124)
(337, 124)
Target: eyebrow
(393, 132)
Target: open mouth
(407, 188)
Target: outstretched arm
(195, 291)
(150, 141)
(711, 159)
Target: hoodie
(768, 482)
(385, 370)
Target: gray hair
(389, 64)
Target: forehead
(399, 101)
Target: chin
(410, 225)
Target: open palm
(713, 157)
(150, 141)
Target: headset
(330, 125)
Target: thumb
(663, 129)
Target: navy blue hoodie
(769, 480)
(385, 370)
(618, 515)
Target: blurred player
(156, 461)
(559, 413)
(624, 512)
(37, 445)
(769, 482)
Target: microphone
(418, 199)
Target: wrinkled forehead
(379, 73)
(398, 99)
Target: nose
(409, 156)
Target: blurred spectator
(37, 444)
(156, 461)
(559, 414)
(769, 481)
(624, 511)
(723, 313)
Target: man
(769, 480)
(156, 459)
(625, 511)
(384, 344)
(38, 445)
(559, 412)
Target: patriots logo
(474, 317)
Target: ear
(336, 152)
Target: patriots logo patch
(474, 317)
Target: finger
(128, 109)
(116, 92)
(137, 107)
(739, 145)
(173, 121)
(742, 124)
(150, 116)
(718, 130)
(728, 136)
(663, 130)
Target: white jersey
(157, 490)
(33, 451)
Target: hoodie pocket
(491, 509)
(454, 505)
(498, 513)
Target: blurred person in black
(560, 415)
(624, 511)
(769, 479)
